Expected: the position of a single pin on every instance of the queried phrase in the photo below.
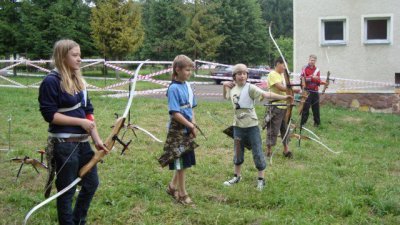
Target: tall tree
(165, 27)
(45, 22)
(9, 27)
(244, 30)
(286, 46)
(117, 27)
(281, 13)
(201, 37)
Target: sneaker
(260, 184)
(234, 180)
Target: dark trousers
(313, 102)
(74, 155)
(252, 136)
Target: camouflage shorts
(177, 143)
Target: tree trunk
(15, 68)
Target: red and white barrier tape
(92, 86)
(353, 83)
(340, 83)
(11, 66)
(226, 65)
(201, 82)
(92, 64)
(212, 63)
(156, 73)
(161, 82)
(138, 62)
(35, 84)
(225, 78)
(131, 73)
(12, 81)
(12, 86)
(38, 67)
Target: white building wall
(355, 60)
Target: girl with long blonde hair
(65, 105)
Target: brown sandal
(185, 200)
(172, 191)
(288, 154)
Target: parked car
(262, 67)
(221, 71)
(226, 71)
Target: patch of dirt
(395, 169)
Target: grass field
(361, 185)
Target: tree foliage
(30, 28)
(201, 37)
(117, 27)
(228, 31)
(244, 31)
(165, 26)
(280, 12)
(286, 46)
(9, 27)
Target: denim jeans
(250, 135)
(74, 155)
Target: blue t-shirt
(178, 99)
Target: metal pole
(9, 133)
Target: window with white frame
(333, 31)
(377, 29)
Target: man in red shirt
(310, 77)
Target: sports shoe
(234, 180)
(260, 184)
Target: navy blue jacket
(51, 98)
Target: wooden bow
(327, 82)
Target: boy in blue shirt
(182, 128)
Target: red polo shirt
(307, 72)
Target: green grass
(358, 186)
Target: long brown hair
(71, 80)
